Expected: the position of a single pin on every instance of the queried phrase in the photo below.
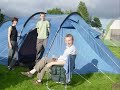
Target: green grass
(13, 80)
(111, 43)
(115, 50)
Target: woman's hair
(15, 19)
(70, 35)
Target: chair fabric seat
(58, 74)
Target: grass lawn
(115, 50)
(13, 80)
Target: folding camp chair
(59, 72)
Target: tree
(96, 22)
(55, 11)
(68, 12)
(82, 10)
(1, 17)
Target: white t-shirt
(69, 50)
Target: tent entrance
(27, 52)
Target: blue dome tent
(92, 54)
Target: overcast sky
(100, 8)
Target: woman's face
(15, 23)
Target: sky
(107, 9)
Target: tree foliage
(55, 11)
(1, 17)
(82, 10)
(96, 22)
(67, 11)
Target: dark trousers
(13, 54)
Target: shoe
(60, 82)
(28, 74)
(36, 82)
(9, 68)
(57, 82)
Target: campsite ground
(13, 80)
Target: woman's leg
(13, 53)
(10, 56)
(41, 74)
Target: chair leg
(47, 81)
(65, 83)
(65, 86)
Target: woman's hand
(19, 34)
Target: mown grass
(13, 80)
(115, 50)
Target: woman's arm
(19, 34)
(9, 33)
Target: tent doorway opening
(27, 52)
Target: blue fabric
(55, 21)
(92, 54)
(69, 67)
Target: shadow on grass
(75, 81)
(78, 79)
(10, 78)
(83, 77)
